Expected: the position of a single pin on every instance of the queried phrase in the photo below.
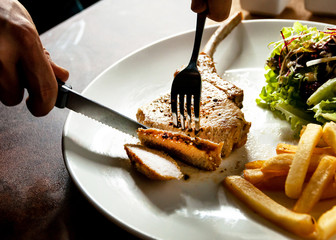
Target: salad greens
(301, 76)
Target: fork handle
(201, 17)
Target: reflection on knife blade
(74, 101)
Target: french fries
(268, 208)
(300, 163)
(318, 182)
(306, 172)
(321, 143)
(326, 224)
(329, 135)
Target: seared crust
(154, 164)
(195, 151)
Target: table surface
(38, 199)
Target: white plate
(198, 208)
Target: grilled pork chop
(200, 153)
(221, 118)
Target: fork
(187, 84)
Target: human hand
(24, 63)
(218, 10)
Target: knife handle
(62, 94)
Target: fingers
(41, 83)
(24, 63)
(36, 73)
(11, 91)
(218, 10)
(198, 6)
(39, 75)
(60, 72)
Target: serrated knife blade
(68, 98)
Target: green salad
(301, 76)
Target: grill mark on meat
(195, 151)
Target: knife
(68, 98)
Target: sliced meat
(195, 151)
(154, 164)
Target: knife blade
(68, 98)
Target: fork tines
(185, 107)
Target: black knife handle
(62, 95)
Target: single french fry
(302, 130)
(298, 223)
(276, 183)
(256, 176)
(329, 135)
(326, 224)
(273, 181)
(329, 191)
(285, 148)
(316, 185)
(282, 162)
(254, 164)
(300, 163)
(289, 148)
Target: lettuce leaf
(325, 111)
(284, 100)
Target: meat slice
(197, 152)
(154, 164)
